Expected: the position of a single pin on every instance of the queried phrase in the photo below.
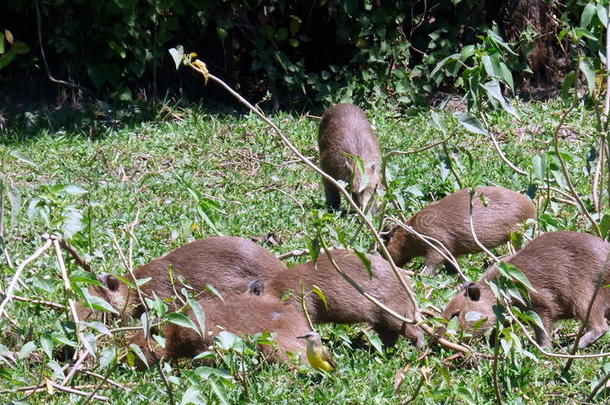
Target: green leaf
(74, 189)
(47, 344)
(320, 294)
(587, 14)
(97, 303)
(470, 122)
(227, 340)
(138, 351)
(215, 292)
(602, 14)
(182, 320)
(26, 350)
(374, 340)
(493, 90)
(539, 166)
(81, 276)
(108, 355)
(126, 4)
(604, 226)
(191, 396)
(22, 157)
(14, 197)
(366, 260)
(515, 274)
(586, 67)
(199, 315)
(450, 58)
(58, 372)
(219, 391)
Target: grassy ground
(193, 173)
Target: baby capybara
(448, 221)
(239, 314)
(345, 133)
(345, 304)
(563, 267)
(229, 264)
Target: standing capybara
(496, 213)
(229, 264)
(239, 314)
(563, 268)
(344, 136)
(345, 304)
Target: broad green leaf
(587, 14)
(191, 396)
(100, 328)
(22, 157)
(374, 340)
(227, 340)
(199, 315)
(182, 320)
(320, 294)
(205, 372)
(215, 292)
(491, 66)
(507, 76)
(588, 71)
(126, 4)
(539, 166)
(602, 14)
(470, 122)
(74, 189)
(97, 303)
(58, 372)
(47, 344)
(81, 276)
(604, 226)
(219, 391)
(492, 88)
(138, 351)
(108, 355)
(473, 316)
(26, 350)
(450, 58)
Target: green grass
(148, 167)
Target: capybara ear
(473, 291)
(256, 287)
(109, 281)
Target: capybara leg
(388, 336)
(333, 200)
(433, 261)
(596, 327)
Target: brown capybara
(239, 314)
(448, 221)
(563, 268)
(345, 304)
(229, 264)
(344, 134)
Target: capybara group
(496, 213)
(563, 268)
(344, 303)
(344, 137)
(229, 264)
(239, 314)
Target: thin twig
(474, 234)
(419, 150)
(11, 287)
(495, 364)
(494, 141)
(74, 253)
(566, 174)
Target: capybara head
(473, 308)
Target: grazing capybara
(345, 304)
(563, 268)
(229, 264)
(447, 221)
(345, 134)
(239, 314)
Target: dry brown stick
(108, 380)
(77, 391)
(75, 368)
(11, 287)
(596, 194)
(599, 386)
(75, 255)
(566, 174)
(200, 67)
(50, 304)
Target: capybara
(345, 304)
(229, 264)
(344, 135)
(239, 314)
(563, 268)
(448, 221)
